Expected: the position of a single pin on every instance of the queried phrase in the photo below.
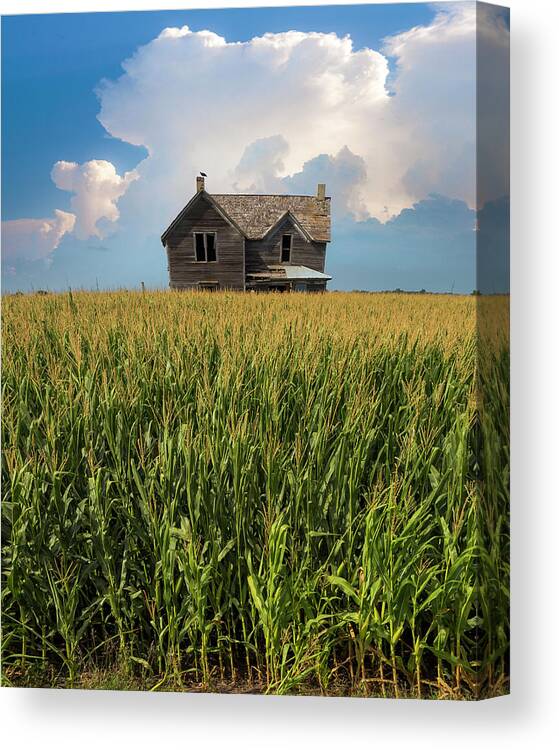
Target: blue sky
(126, 145)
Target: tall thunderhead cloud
(254, 113)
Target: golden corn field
(286, 493)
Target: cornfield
(280, 493)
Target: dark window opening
(204, 245)
(286, 248)
(200, 247)
(210, 247)
(209, 286)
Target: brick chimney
(200, 184)
(321, 191)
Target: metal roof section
(290, 273)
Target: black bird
(203, 174)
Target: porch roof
(289, 273)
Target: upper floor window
(204, 246)
(286, 248)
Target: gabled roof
(195, 198)
(255, 216)
(287, 215)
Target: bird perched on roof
(203, 174)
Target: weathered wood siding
(185, 271)
(267, 252)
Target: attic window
(204, 246)
(286, 248)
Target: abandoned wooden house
(260, 242)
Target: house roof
(281, 218)
(290, 273)
(256, 215)
(195, 198)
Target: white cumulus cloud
(246, 113)
(253, 114)
(27, 240)
(345, 172)
(97, 188)
(261, 169)
(262, 165)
